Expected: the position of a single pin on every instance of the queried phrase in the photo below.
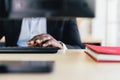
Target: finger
(46, 35)
(31, 44)
(42, 40)
(38, 37)
(48, 43)
(53, 43)
(38, 43)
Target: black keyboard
(28, 49)
(26, 66)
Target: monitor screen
(47, 8)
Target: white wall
(112, 22)
(99, 22)
(106, 23)
(118, 22)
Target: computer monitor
(47, 8)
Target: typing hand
(44, 40)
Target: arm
(71, 35)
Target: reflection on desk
(69, 65)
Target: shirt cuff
(64, 46)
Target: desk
(69, 65)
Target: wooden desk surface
(69, 65)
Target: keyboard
(26, 66)
(28, 49)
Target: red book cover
(104, 49)
(103, 53)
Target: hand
(44, 40)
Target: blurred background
(104, 29)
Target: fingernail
(31, 42)
(38, 41)
(44, 45)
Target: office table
(69, 65)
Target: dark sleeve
(71, 36)
(1, 29)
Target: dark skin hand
(44, 40)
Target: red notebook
(103, 53)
